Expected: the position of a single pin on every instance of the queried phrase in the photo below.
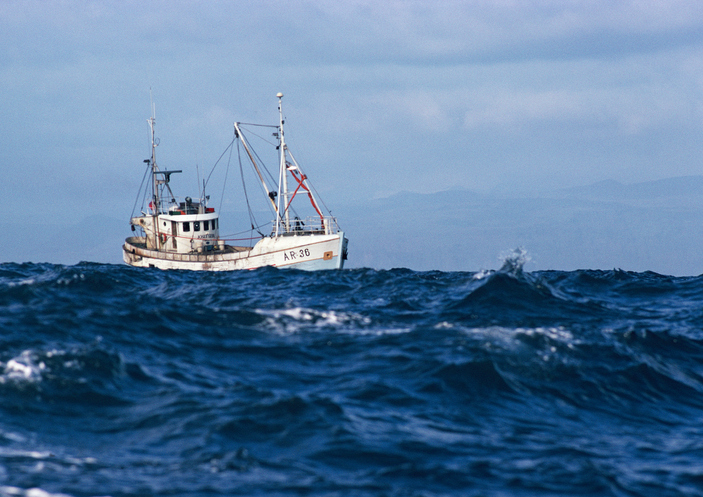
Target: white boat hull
(307, 252)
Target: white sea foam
(29, 454)
(25, 367)
(482, 274)
(30, 492)
(28, 281)
(557, 333)
(500, 337)
(297, 319)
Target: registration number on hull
(294, 255)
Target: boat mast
(155, 197)
(283, 173)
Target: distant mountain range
(675, 189)
(655, 226)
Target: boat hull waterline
(311, 252)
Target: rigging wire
(217, 162)
(228, 236)
(271, 178)
(229, 161)
(317, 196)
(291, 208)
(146, 172)
(265, 169)
(252, 219)
(259, 136)
(255, 226)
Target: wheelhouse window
(196, 225)
(214, 224)
(206, 226)
(186, 226)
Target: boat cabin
(187, 227)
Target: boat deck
(137, 247)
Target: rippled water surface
(129, 382)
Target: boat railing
(183, 205)
(311, 226)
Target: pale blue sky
(380, 96)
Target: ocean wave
(120, 381)
(81, 375)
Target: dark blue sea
(118, 381)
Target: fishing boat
(184, 233)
